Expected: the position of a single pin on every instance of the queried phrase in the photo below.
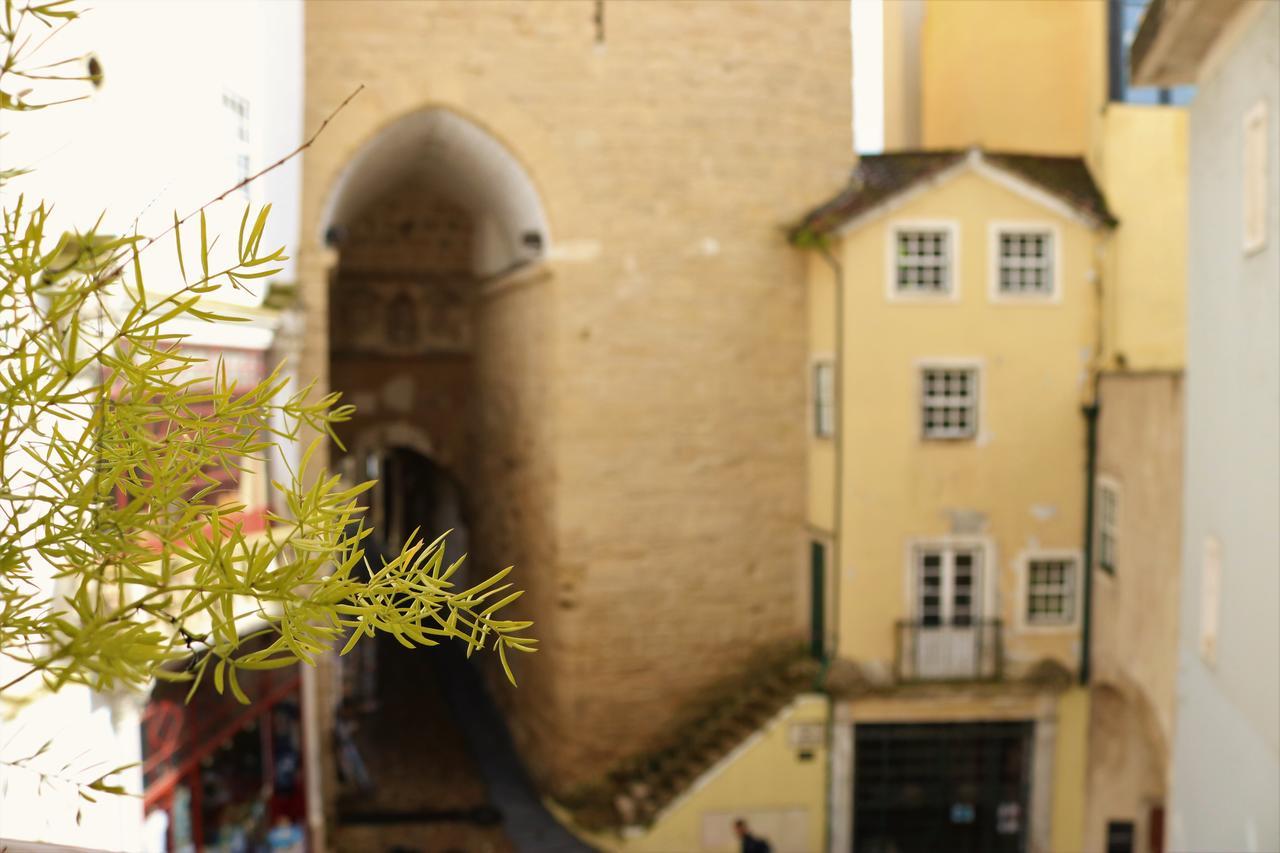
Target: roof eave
(1174, 39)
(812, 231)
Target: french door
(948, 610)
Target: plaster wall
(1226, 755)
(1136, 607)
(970, 95)
(1135, 615)
(1142, 167)
(775, 780)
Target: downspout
(1090, 411)
(837, 531)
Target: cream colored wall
(1142, 167)
(1022, 75)
(902, 26)
(1025, 470)
(764, 778)
(1135, 613)
(1070, 762)
(1136, 608)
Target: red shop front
(226, 777)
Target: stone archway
(450, 157)
(424, 221)
(428, 213)
(1128, 763)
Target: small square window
(949, 402)
(824, 402)
(922, 261)
(1051, 591)
(1024, 262)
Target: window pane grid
(948, 586)
(1107, 520)
(824, 404)
(924, 261)
(1051, 591)
(1026, 262)
(949, 402)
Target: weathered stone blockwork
(639, 445)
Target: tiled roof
(879, 177)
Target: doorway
(960, 787)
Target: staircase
(638, 790)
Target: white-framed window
(948, 584)
(1255, 177)
(1051, 584)
(948, 401)
(1024, 261)
(240, 138)
(922, 260)
(823, 392)
(1107, 522)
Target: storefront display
(228, 777)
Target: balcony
(961, 650)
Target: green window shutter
(817, 599)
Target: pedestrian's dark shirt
(752, 844)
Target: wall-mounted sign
(1008, 818)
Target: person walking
(750, 843)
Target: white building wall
(1226, 765)
(154, 139)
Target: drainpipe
(837, 543)
(1090, 411)
(837, 532)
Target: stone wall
(639, 417)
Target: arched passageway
(426, 215)
(1128, 766)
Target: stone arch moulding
(391, 434)
(444, 152)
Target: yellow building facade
(968, 292)
(965, 293)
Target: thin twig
(112, 272)
(276, 165)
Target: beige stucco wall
(1141, 165)
(642, 438)
(775, 780)
(1021, 75)
(1135, 617)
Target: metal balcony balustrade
(955, 650)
